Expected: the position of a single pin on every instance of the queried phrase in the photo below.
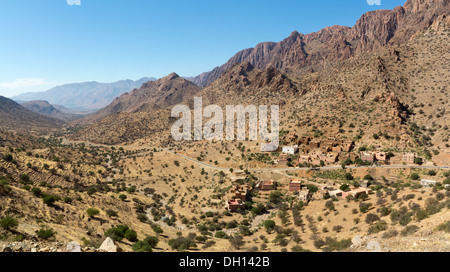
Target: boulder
(374, 246)
(109, 246)
(357, 241)
(73, 247)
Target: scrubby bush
(111, 213)
(409, 230)
(91, 212)
(379, 226)
(269, 225)
(9, 223)
(117, 233)
(49, 200)
(237, 241)
(45, 233)
(364, 207)
(371, 218)
(131, 235)
(389, 234)
(8, 157)
(182, 244)
(36, 192)
(444, 227)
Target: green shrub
(123, 197)
(111, 213)
(182, 244)
(45, 233)
(36, 192)
(415, 176)
(141, 246)
(379, 226)
(131, 235)
(92, 212)
(364, 207)
(117, 233)
(157, 228)
(8, 157)
(9, 223)
(409, 230)
(444, 227)
(221, 235)
(25, 179)
(421, 214)
(269, 225)
(368, 177)
(49, 200)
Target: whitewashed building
(427, 183)
(290, 149)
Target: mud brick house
(292, 138)
(240, 192)
(353, 156)
(304, 159)
(366, 156)
(283, 159)
(409, 157)
(356, 192)
(331, 157)
(304, 196)
(319, 195)
(266, 185)
(304, 140)
(380, 156)
(314, 144)
(318, 157)
(295, 185)
(347, 146)
(234, 205)
(303, 150)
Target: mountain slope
(164, 92)
(84, 96)
(390, 92)
(17, 118)
(373, 30)
(45, 108)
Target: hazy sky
(44, 43)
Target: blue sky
(44, 43)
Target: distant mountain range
(86, 96)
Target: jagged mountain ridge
(373, 30)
